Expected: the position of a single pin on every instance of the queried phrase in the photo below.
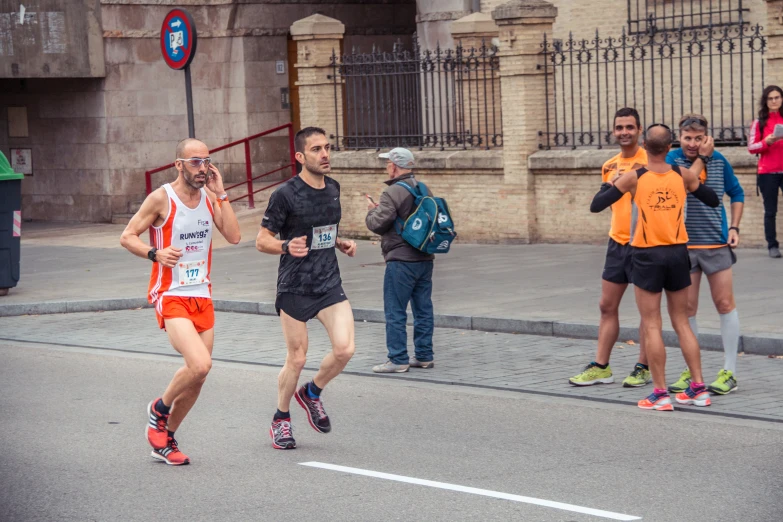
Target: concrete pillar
(474, 35)
(522, 24)
(320, 100)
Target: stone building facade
(93, 134)
(92, 138)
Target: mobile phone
(370, 198)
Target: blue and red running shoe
(696, 396)
(657, 401)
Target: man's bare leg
(198, 358)
(296, 341)
(650, 331)
(338, 321)
(678, 312)
(182, 391)
(609, 325)
(339, 324)
(185, 401)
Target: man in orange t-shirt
(660, 259)
(617, 267)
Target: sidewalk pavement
(542, 289)
(524, 363)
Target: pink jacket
(771, 159)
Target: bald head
(657, 140)
(189, 147)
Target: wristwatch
(705, 159)
(284, 246)
(734, 228)
(151, 254)
(224, 197)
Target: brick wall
(565, 182)
(471, 182)
(486, 210)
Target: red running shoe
(157, 432)
(171, 454)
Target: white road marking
(473, 491)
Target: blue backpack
(429, 228)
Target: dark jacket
(395, 202)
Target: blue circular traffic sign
(178, 39)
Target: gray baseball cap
(403, 158)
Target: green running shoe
(592, 374)
(639, 377)
(681, 385)
(725, 383)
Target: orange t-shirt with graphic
(620, 230)
(660, 200)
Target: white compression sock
(730, 332)
(694, 326)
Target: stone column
(480, 86)
(522, 24)
(774, 31)
(320, 100)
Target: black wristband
(284, 246)
(705, 159)
(734, 228)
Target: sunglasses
(196, 162)
(691, 121)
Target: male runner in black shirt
(305, 212)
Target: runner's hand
(169, 256)
(215, 180)
(347, 247)
(707, 147)
(733, 238)
(297, 247)
(771, 139)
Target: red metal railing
(248, 164)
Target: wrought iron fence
(419, 98)
(718, 72)
(654, 15)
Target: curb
(769, 344)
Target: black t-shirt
(297, 209)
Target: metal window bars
(717, 71)
(664, 15)
(419, 98)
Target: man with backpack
(408, 279)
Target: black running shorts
(617, 268)
(305, 307)
(661, 268)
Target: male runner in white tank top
(182, 215)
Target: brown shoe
(415, 363)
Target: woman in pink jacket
(770, 150)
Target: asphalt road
(71, 448)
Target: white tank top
(191, 231)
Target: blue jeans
(404, 283)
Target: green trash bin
(10, 224)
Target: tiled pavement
(525, 363)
